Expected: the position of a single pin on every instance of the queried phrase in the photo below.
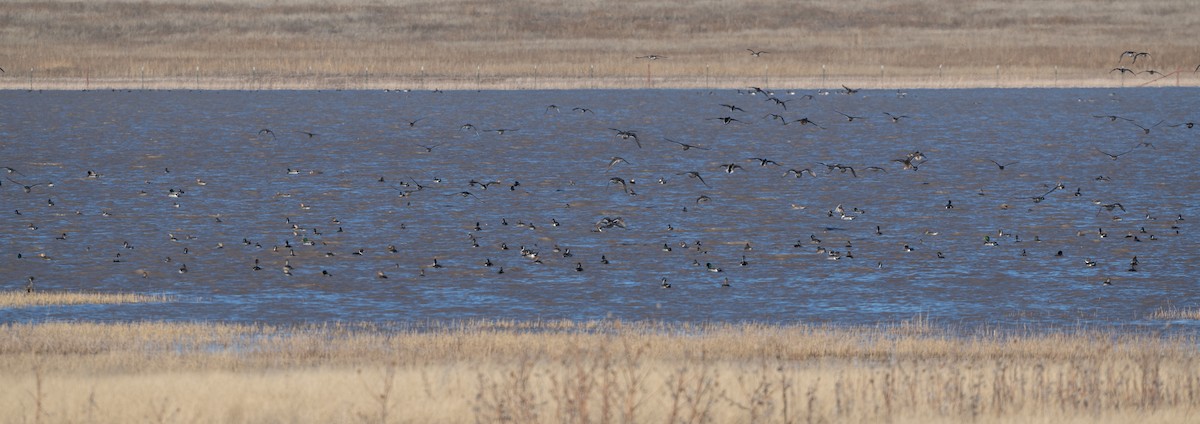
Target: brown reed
(21, 298)
(1174, 313)
(610, 371)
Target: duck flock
(848, 205)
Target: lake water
(396, 169)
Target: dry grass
(19, 299)
(553, 44)
(589, 372)
(1174, 313)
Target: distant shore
(477, 44)
(800, 85)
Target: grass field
(605, 372)
(465, 44)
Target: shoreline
(473, 44)
(571, 83)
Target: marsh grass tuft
(20, 299)
(1173, 313)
